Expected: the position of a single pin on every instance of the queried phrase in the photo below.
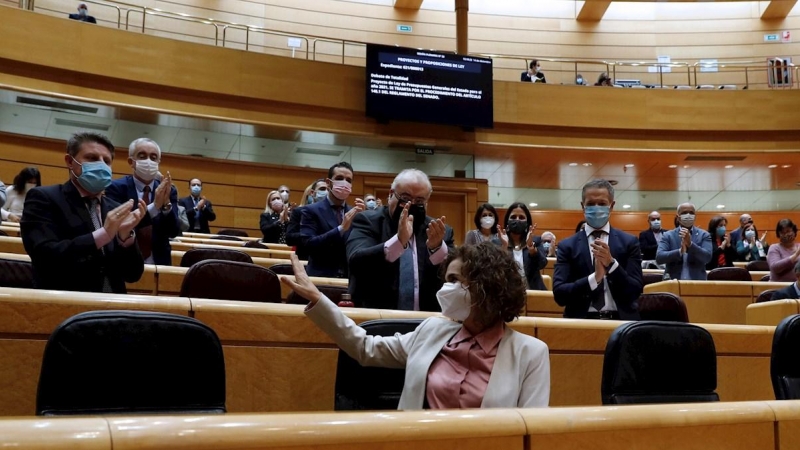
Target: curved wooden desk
(191, 240)
(254, 252)
(772, 312)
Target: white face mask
(285, 196)
(455, 300)
(487, 222)
(686, 220)
(29, 186)
(146, 169)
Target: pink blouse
(459, 375)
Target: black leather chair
(650, 278)
(231, 280)
(255, 244)
(232, 232)
(282, 269)
(659, 362)
(108, 362)
(371, 388)
(16, 274)
(757, 266)
(662, 306)
(765, 278)
(3, 233)
(765, 296)
(332, 292)
(784, 363)
(196, 255)
(729, 274)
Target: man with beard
(395, 252)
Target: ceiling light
(587, 164)
(673, 166)
(772, 166)
(729, 166)
(628, 166)
(626, 206)
(573, 164)
(686, 167)
(720, 206)
(786, 166)
(533, 205)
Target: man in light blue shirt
(685, 250)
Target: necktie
(146, 195)
(339, 210)
(405, 298)
(599, 300)
(93, 205)
(145, 238)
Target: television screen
(426, 86)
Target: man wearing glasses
(395, 252)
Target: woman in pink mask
(469, 358)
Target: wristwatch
(131, 235)
(166, 207)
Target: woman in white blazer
(468, 359)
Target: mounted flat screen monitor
(424, 86)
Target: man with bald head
(685, 250)
(649, 238)
(737, 234)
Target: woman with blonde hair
(274, 219)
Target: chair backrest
(659, 362)
(195, 255)
(16, 274)
(785, 364)
(224, 237)
(757, 266)
(729, 274)
(371, 388)
(334, 293)
(105, 362)
(255, 244)
(765, 296)
(232, 232)
(765, 278)
(231, 280)
(282, 269)
(650, 278)
(3, 233)
(662, 306)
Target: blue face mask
(95, 176)
(721, 231)
(372, 204)
(320, 195)
(596, 216)
(546, 245)
(749, 234)
(196, 190)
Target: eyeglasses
(405, 198)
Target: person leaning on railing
(468, 359)
(534, 74)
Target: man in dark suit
(736, 235)
(598, 272)
(395, 252)
(687, 249)
(649, 238)
(293, 236)
(77, 238)
(533, 74)
(198, 209)
(161, 221)
(789, 292)
(325, 225)
(83, 14)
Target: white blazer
(520, 376)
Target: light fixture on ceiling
(786, 166)
(533, 205)
(673, 166)
(720, 206)
(686, 166)
(573, 164)
(628, 166)
(587, 164)
(626, 206)
(729, 166)
(772, 166)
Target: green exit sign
(771, 38)
(404, 28)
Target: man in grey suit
(685, 250)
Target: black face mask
(518, 227)
(418, 211)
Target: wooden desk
(263, 262)
(10, 244)
(11, 231)
(209, 236)
(549, 268)
(542, 304)
(191, 240)
(772, 312)
(254, 252)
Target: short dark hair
(497, 288)
(479, 212)
(515, 206)
(24, 175)
(78, 139)
(713, 224)
(195, 178)
(533, 63)
(785, 223)
(344, 164)
(318, 181)
(598, 184)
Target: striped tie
(94, 206)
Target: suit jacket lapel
(77, 205)
(132, 193)
(583, 251)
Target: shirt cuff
(152, 210)
(592, 281)
(101, 237)
(341, 229)
(392, 249)
(439, 255)
(613, 267)
(127, 242)
(4, 214)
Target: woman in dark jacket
(523, 246)
(723, 254)
(274, 219)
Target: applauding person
(523, 245)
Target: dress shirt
(393, 249)
(151, 208)
(520, 263)
(459, 375)
(610, 305)
(100, 235)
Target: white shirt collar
(140, 186)
(589, 230)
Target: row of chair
(157, 358)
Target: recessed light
(720, 206)
(772, 166)
(626, 206)
(533, 205)
(673, 166)
(686, 166)
(573, 164)
(786, 166)
(587, 164)
(729, 166)
(628, 166)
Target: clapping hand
(348, 217)
(501, 233)
(163, 191)
(436, 230)
(301, 284)
(405, 227)
(529, 242)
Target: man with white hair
(394, 252)
(737, 234)
(549, 244)
(687, 249)
(161, 221)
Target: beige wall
(630, 31)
